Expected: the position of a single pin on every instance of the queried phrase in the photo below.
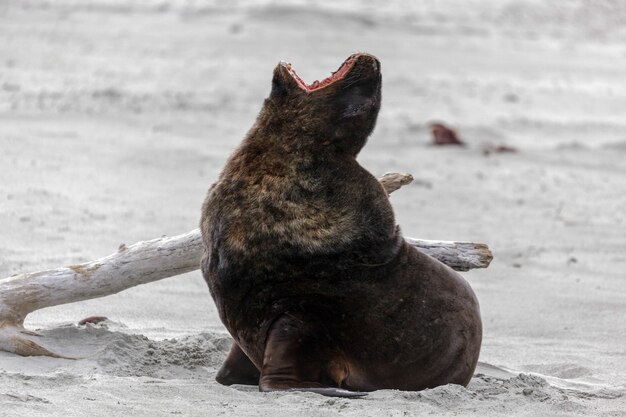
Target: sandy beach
(116, 116)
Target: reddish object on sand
(443, 135)
(489, 149)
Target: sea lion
(308, 270)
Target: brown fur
(305, 263)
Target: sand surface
(115, 117)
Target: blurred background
(116, 116)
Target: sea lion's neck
(302, 132)
(303, 196)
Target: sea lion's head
(336, 113)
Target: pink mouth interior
(316, 85)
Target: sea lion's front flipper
(299, 356)
(238, 369)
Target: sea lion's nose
(368, 59)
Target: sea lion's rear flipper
(299, 357)
(238, 369)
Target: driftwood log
(150, 261)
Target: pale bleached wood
(392, 181)
(130, 266)
(460, 256)
(150, 261)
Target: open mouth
(316, 85)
